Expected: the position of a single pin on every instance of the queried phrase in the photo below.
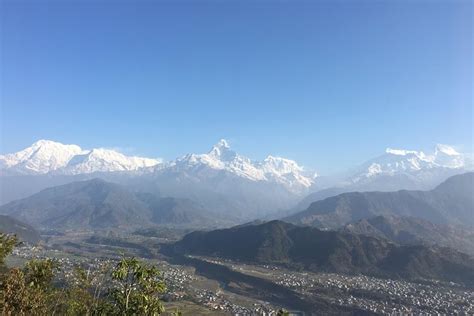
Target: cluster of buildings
(384, 296)
(177, 280)
(218, 302)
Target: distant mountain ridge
(413, 231)
(97, 204)
(450, 202)
(309, 248)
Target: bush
(133, 288)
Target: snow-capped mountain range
(53, 158)
(411, 162)
(46, 156)
(271, 169)
(49, 157)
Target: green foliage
(29, 291)
(39, 273)
(85, 295)
(137, 288)
(14, 300)
(79, 300)
(283, 312)
(7, 243)
(131, 288)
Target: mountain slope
(295, 246)
(24, 232)
(97, 204)
(412, 231)
(451, 202)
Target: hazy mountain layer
(96, 204)
(450, 202)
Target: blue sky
(327, 83)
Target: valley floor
(200, 286)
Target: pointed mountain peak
(221, 148)
(222, 144)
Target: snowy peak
(272, 169)
(288, 170)
(222, 151)
(221, 145)
(41, 157)
(279, 165)
(401, 161)
(106, 160)
(46, 156)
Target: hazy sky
(328, 84)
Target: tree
(136, 289)
(29, 291)
(85, 292)
(7, 243)
(283, 312)
(131, 288)
(14, 300)
(79, 300)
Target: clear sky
(327, 83)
